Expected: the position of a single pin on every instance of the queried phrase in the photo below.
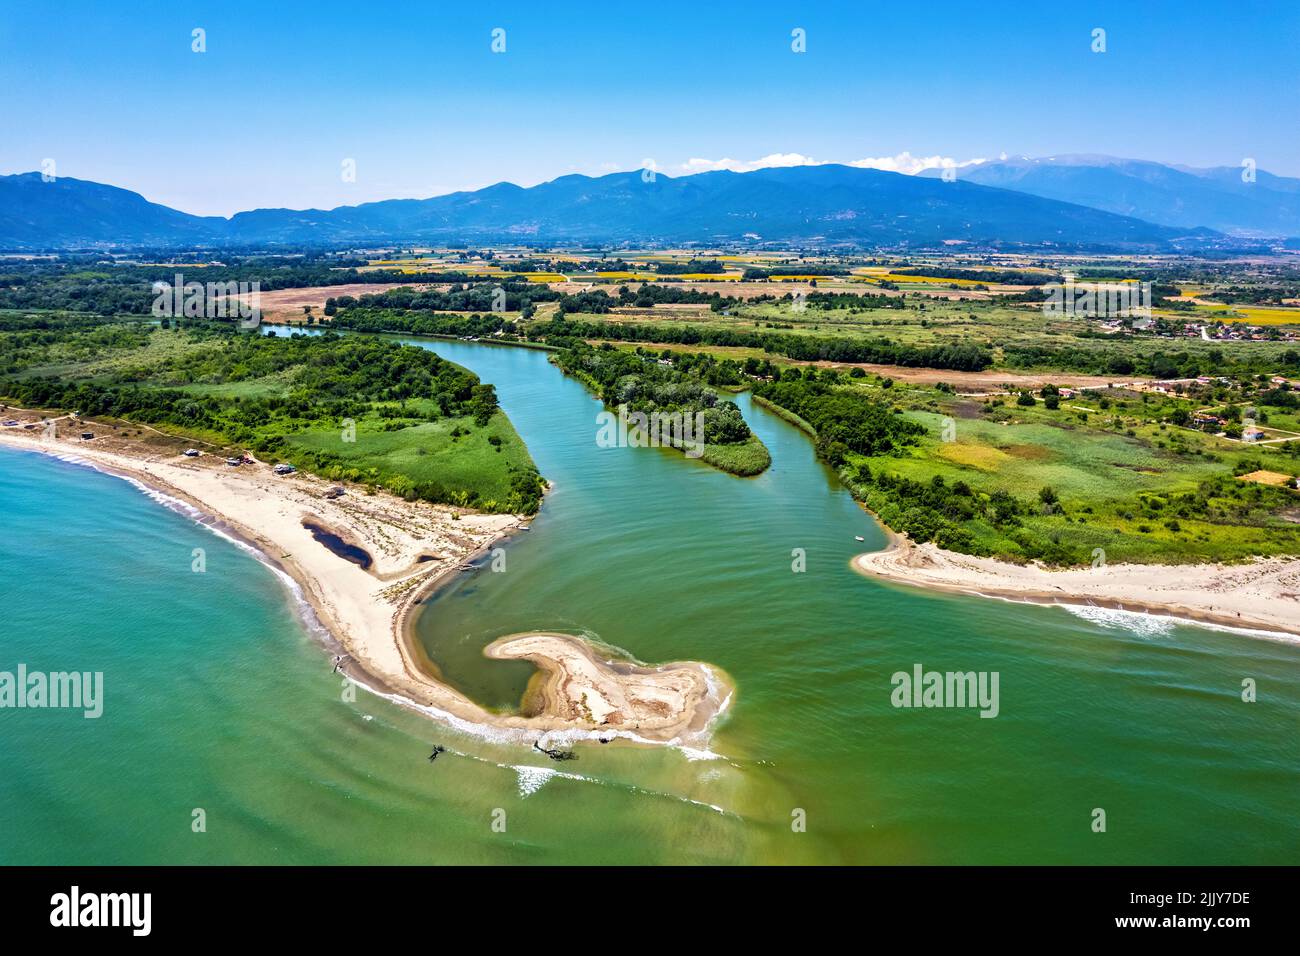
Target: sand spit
(369, 612)
(1260, 595)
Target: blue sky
(414, 94)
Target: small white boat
(858, 537)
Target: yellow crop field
(1240, 314)
(1259, 315)
(545, 277)
(931, 280)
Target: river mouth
(638, 551)
(665, 559)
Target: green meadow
(354, 408)
(450, 453)
(1138, 488)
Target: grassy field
(451, 452)
(355, 409)
(1123, 480)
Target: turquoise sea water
(219, 698)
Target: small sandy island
(364, 562)
(573, 683)
(1260, 595)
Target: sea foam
(1137, 622)
(1145, 624)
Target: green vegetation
(690, 266)
(831, 328)
(793, 270)
(639, 383)
(515, 295)
(845, 421)
(347, 408)
(987, 276)
(90, 284)
(1017, 470)
(1026, 480)
(804, 348)
(370, 319)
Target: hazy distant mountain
(790, 206)
(1171, 195)
(63, 211)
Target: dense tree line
(845, 419)
(641, 383)
(989, 276)
(854, 300)
(71, 343)
(114, 288)
(759, 274)
(328, 380)
(1149, 362)
(423, 323)
(331, 374)
(508, 295)
(702, 266)
(1276, 295)
(61, 322)
(811, 348)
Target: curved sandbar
(575, 686)
(1260, 595)
(368, 612)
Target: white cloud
(910, 165)
(696, 165)
(904, 163)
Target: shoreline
(368, 615)
(1262, 596)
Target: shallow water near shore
(217, 698)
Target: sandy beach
(1259, 595)
(369, 612)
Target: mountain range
(1237, 200)
(1117, 205)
